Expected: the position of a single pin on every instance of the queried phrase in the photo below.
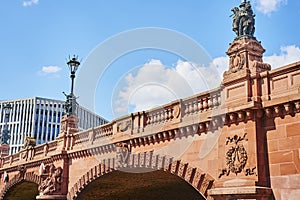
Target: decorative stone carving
(51, 180)
(46, 149)
(29, 143)
(5, 177)
(23, 155)
(22, 171)
(246, 53)
(176, 111)
(42, 169)
(269, 112)
(123, 126)
(69, 125)
(236, 156)
(297, 106)
(237, 62)
(123, 151)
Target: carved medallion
(176, 111)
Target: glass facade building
(40, 118)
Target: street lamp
(73, 65)
(5, 136)
(70, 104)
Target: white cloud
(50, 69)
(221, 63)
(30, 3)
(154, 84)
(268, 6)
(288, 54)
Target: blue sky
(37, 36)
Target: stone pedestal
(242, 150)
(69, 125)
(241, 80)
(4, 150)
(252, 192)
(245, 53)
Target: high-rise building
(40, 118)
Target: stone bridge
(238, 141)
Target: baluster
(190, 107)
(205, 105)
(159, 117)
(171, 113)
(187, 108)
(196, 106)
(210, 103)
(149, 119)
(215, 100)
(153, 118)
(162, 113)
(167, 114)
(200, 107)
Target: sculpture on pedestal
(245, 52)
(243, 20)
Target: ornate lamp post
(69, 122)
(5, 135)
(70, 105)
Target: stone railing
(202, 102)
(139, 124)
(148, 122)
(32, 153)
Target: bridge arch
(198, 179)
(18, 179)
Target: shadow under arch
(198, 179)
(28, 177)
(156, 184)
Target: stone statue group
(243, 20)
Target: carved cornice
(281, 110)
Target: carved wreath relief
(236, 156)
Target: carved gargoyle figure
(51, 180)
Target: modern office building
(40, 118)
